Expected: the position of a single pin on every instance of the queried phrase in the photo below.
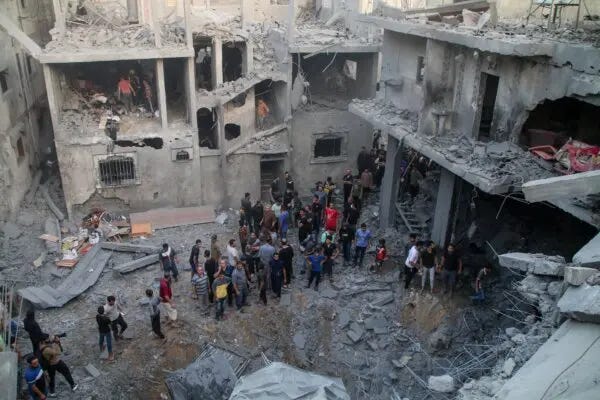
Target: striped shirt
(200, 284)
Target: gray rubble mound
(279, 381)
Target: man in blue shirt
(363, 235)
(36, 382)
(316, 261)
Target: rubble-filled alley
(283, 199)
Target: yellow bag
(221, 291)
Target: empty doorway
(488, 91)
(269, 170)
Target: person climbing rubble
(125, 92)
(480, 281)
(262, 112)
(51, 350)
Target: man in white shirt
(113, 311)
(411, 263)
(232, 253)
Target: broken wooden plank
(560, 187)
(130, 247)
(66, 263)
(136, 264)
(141, 229)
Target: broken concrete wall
(243, 115)
(20, 103)
(161, 180)
(454, 81)
(399, 70)
(242, 174)
(306, 126)
(518, 9)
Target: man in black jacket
(35, 332)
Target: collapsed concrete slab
(581, 303)
(538, 264)
(279, 381)
(443, 383)
(576, 276)
(83, 276)
(565, 367)
(137, 264)
(589, 255)
(130, 247)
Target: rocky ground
(382, 340)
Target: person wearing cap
(51, 351)
(286, 255)
(35, 379)
(276, 273)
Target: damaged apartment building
(486, 112)
(223, 98)
(25, 126)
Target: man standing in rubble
(265, 254)
(451, 266)
(168, 259)
(166, 297)
(363, 235)
(194, 256)
(125, 92)
(113, 311)
(240, 285)
(347, 181)
(215, 251)
(246, 208)
(286, 255)
(154, 313)
(411, 263)
(51, 351)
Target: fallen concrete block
(576, 276)
(355, 336)
(129, 247)
(581, 303)
(589, 255)
(344, 318)
(442, 383)
(383, 300)
(508, 367)
(286, 299)
(136, 264)
(539, 264)
(93, 371)
(329, 293)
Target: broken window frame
(132, 170)
(342, 156)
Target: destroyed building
(494, 116)
(193, 133)
(25, 126)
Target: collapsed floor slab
(83, 276)
(581, 303)
(564, 367)
(538, 264)
(589, 255)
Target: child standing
(380, 255)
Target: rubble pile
(79, 38)
(386, 113)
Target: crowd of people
(263, 262)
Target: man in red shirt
(125, 92)
(331, 218)
(166, 297)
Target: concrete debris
(538, 264)
(512, 331)
(40, 260)
(356, 332)
(83, 276)
(130, 247)
(589, 255)
(281, 381)
(11, 230)
(299, 340)
(581, 303)
(55, 210)
(328, 293)
(440, 339)
(386, 113)
(286, 299)
(93, 371)
(222, 218)
(344, 318)
(593, 280)
(442, 384)
(136, 264)
(555, 289)
(577, 276)
(383, 300)
(508, 367)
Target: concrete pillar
(59, 16)
(248, 64)
(162, 93)
(443, 208)
(155, 7)
(188, 25)
(132, 11)
(291, 22)
(390, 182)
(217, 62)
(190, 91)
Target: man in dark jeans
(315, 261)
(317, 211)
(362, 243)
(51, 350)
(194, 256)
(154, 312)
(451, 266)
(346, 238)
(35, 332)
(168, 258)
(331, 252)
(210, 267)
(286, 254)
